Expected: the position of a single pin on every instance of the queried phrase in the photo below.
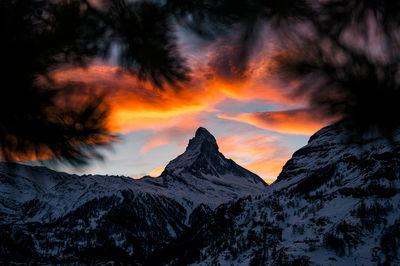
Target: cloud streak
(299, 121)
(264, 155)
(138, 105)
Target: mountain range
(335, 202)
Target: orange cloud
(154, 143)
(157, 171)
(300, 121)
(249, 147)
(269, 181)
(176, 132)
(215, 77)
(225, 73)
(267, 168)
(138, 105)
(172, 114)
(263, 155)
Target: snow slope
(50, 216)
(336, 202)
(200, 175)
(203, 175)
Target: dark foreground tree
(348, 63)
(35, 121)
(41, 118)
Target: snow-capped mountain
(336, 202)
(50, 216)
(203, 175)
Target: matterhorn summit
(202, 174)
(202, 151)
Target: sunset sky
(256, 123)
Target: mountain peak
(203, 160)
(201, 132)
(202, 147)
(203, 142)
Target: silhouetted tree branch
(342, 55)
